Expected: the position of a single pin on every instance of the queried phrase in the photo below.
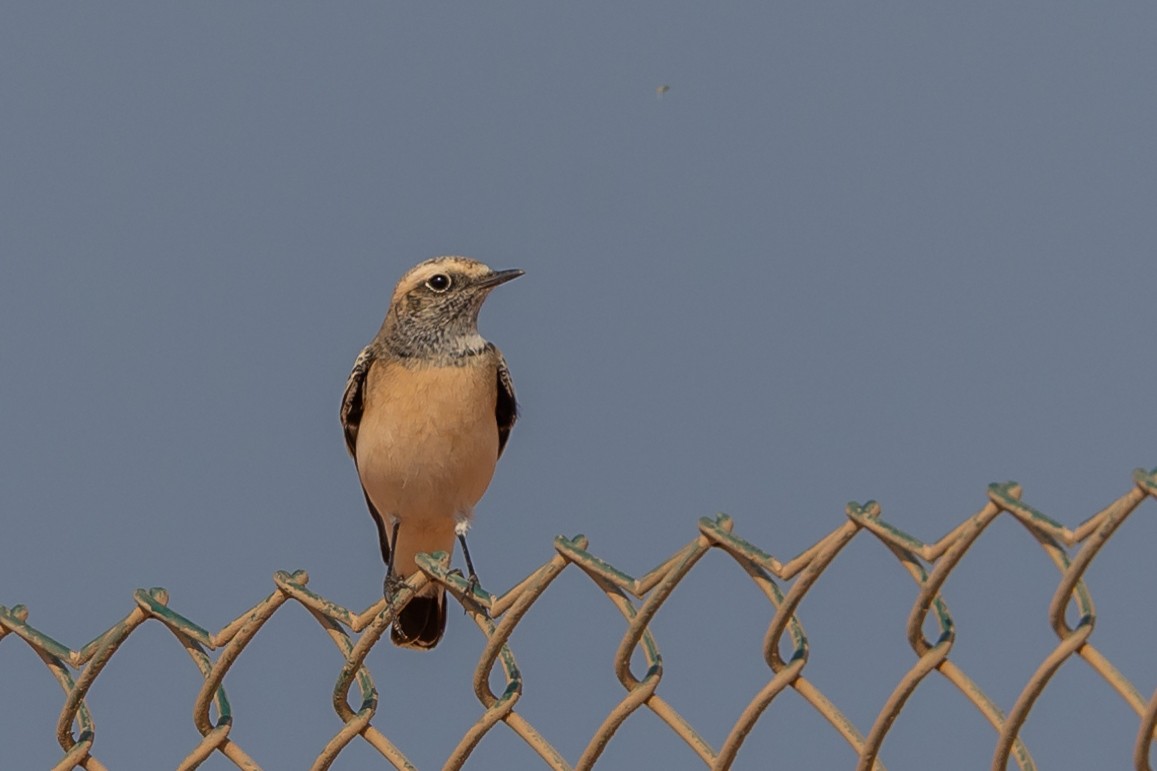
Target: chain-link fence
(785, 646)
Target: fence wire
(638, 600)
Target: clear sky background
(857, 251)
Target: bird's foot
(471, 586)
(391, 586)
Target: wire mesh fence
(785, 644)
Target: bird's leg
(472, 577)
(392, 583)
(460, 527)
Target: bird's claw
(391, 586)
(469, 589)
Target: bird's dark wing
(352, 404)
(352, 401)
(506, 407)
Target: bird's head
(434, 310)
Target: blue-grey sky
(857, 251)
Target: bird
(426, 413)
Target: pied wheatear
(427, 411)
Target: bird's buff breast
(428, 440)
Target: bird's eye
(439, 282)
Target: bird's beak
(498, 277)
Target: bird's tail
(421, 623)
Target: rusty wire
(638, 600)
